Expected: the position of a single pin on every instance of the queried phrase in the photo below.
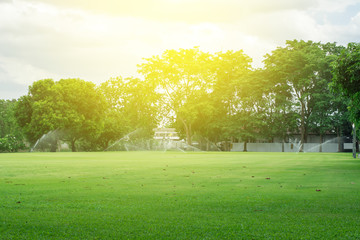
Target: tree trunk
(356, 140)
(339, 140)
(53, 145)
(187, 131)
(189, 136)
(283, 146)
(73, 147)
(321, 142)
(245, 146)
(302, 128)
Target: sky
(96, 40)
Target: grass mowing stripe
(172, 195)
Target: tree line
(304, 87)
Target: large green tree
(346, 77)
(81, 111)
(231, 69)
(248, 119)
(214, 109)
(182, 77)
(72, 106)
(35, 111)
(278, 115)
(329, 114)
(132, 105)
(298, 69)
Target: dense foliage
(207, 97)
(11, 135)
(73, 106)
(346, 75)
(301, 70)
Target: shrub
(10, 143)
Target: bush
(10, 143)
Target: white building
(166, 134)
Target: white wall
(288, 147)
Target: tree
(250, 109)
(23, 113)
(231, 71)
(8, 123)
(297, 69)
(346, 77)
(132, 105)
(329, 114)
(279, 116)
(180, 77)
(73, 106)
(11, 135)
(34, 112)
(82, 111)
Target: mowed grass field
(174, 195)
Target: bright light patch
(97, 39)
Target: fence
(288, 147)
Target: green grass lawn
(173, 195)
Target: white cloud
(22, 72)
(67, 43)
(356, 19)
(279, 26)
(96, 40)
(333, 5)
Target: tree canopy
(73, 106)
(301, 70)
(11, 134)
(208, 97)
(346, 77)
